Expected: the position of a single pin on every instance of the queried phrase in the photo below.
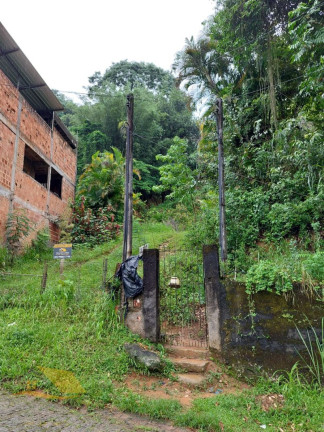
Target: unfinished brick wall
(9, 99)
(7, 143)
(64, 156)
(4, 209)
(42, 206)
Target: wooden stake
(61, 268)
(104, 273)
(44, 278)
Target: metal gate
(182, 297)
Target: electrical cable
(266, 33)
(278, 85)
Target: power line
(266, 33)
(282, 82)
(149, 100)
(89, 94)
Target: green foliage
(252, 54)
(155, 408)
(41, 242)
(301, 408)
(279, 274)
(315, 353)
(176, 176)
(62, 293)
(126, 74)
(147, 178)
(314, 266)
(39, 247)
(161, 112)
(4, 257)
(179, 306)
(73, 325)
(102, 181)
(93, 226)
(265, 276)
(18, 226)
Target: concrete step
(190, 364)
(191, 379)
(187, 352)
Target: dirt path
(27, 414)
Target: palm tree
(202, 66)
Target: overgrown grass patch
(73, 327)
(301, 409)
(280, 270)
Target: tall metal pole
(221, 184)
(128, 199)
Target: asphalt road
(28, 414)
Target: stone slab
(187, 352)
(191, 365)
(191, 379)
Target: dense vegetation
(161, 112)
(66, 342)
(265, 60)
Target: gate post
(213, 289)
(151, 294)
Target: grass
(314, 360)
(301, 409)
(281, 267)
(73, 327)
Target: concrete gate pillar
(151, 295)
(143, 317)
(214, 293)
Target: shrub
(4, 257)
(18, 226)
(267, 276)
(93, 226)
(314, 265)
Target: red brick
(35, 133)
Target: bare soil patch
(156, 387)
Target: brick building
(37, 152)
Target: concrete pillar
(214, 293)
(14, 162)
(151, 294)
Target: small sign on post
(61, 252)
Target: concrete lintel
(49, 162)
(5, 192)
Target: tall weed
(315, 353)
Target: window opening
(56, 183)
(35, 166)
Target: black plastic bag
(132, 282)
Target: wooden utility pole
(128, 199)
(221, 185)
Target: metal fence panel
(182, 297)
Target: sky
(68, 40)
